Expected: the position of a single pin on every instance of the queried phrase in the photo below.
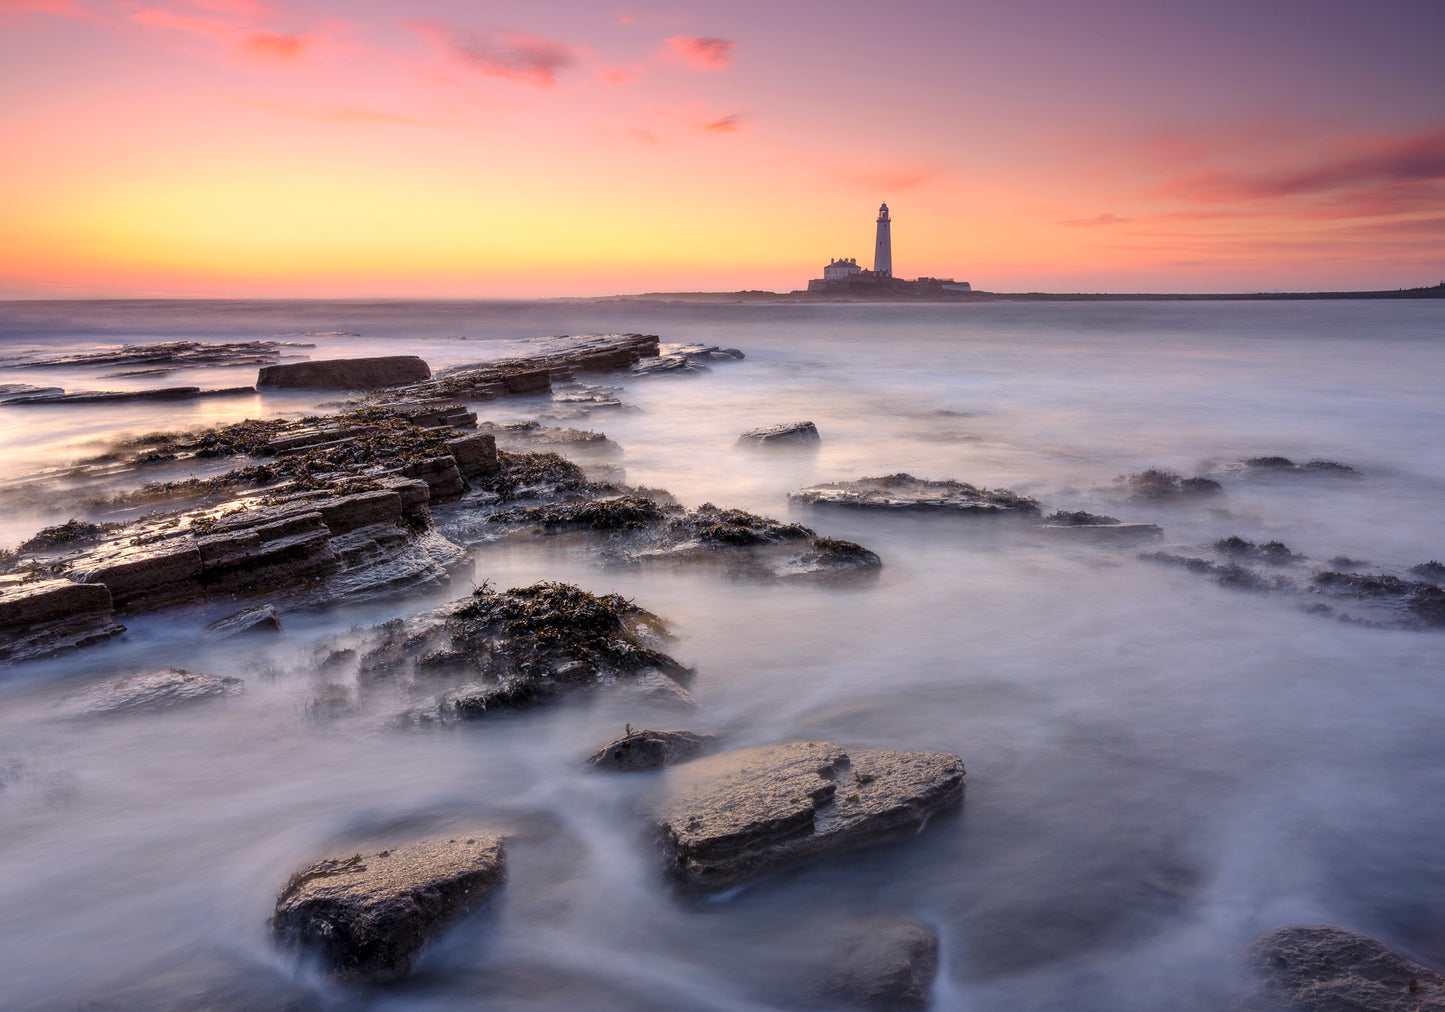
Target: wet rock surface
(1328, 969)
(783, 434)
(368, 915)
(249, 622)
(516, 649)
(905, 493)
(47, 616)
(647, 750)
(534, 437)
(882, 963)
(1097, 527)
(732, 817)
(165, 356)
(346, 373)
(109, 396)
(151, 691)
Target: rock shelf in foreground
(368, 916)
(732, 817)
(1329, 969)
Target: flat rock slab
(786, 434)
(346, 373)
(49, 616)
(646, 750)
(151, 691)
(367, 916)
(1328, 969)
(905, 493)
(732, 817)
(252, 621)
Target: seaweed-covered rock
(151, 691)
(1097, 527)
(500, 650)
(368, 916)
(731, 817)
(883, 963)
(346, 373)
(646, 750)
(534, 437)
(1329, 969)
(1273, 467)
(784, 434)
(1275, 553)
(905, 493)
(637, 529)
(1157, 486)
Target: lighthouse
(883, 249)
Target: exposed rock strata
(152, 690)
(1157, 486)
(367, 916)
(111, 396)
(167, 355)
(44, 617)
(1276, 467)
(346, 373)
(247, 622)
(905, 493)
(529, 646)
(783, 434)
(1097, 527)
(1328, 969)
(732, 817)
(646, 750)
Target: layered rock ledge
(368, 916)
(732, 817)
(905, 493)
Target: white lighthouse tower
(883, 249)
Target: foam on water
(1159, 768)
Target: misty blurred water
(1159, 768)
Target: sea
(1159, 767)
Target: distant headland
(929, 294)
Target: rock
(107, 396)
(144, 575)
(639, 529)
(442, 476)
(44, 617)
(346, 373)
(1165, 486)
(787, 434)
(167, 356)
(531, 381)
(702, 352)
(368, 916)
(1097, 527)
(1273, 467)
(884, 963)
(732, 817)
(533, 437)
(529, 646)
(248, 622)
(475, 454)
(151, 691)
(671, 365)
(1329, 969)
(905, 493)
(646, 750)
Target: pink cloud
(898, 178)
(619, 75)
(55, 8)
(1394, 174)
(698, 54)
(726, 125)
(512, 56)
(1107, 218)
(233, 25)
(277, 46)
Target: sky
(442, 148)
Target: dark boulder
(1329, 969)
(884, 963)
(731, 817)
(1157, 486)
(346, 373)
(368, 916)
(646, 750)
